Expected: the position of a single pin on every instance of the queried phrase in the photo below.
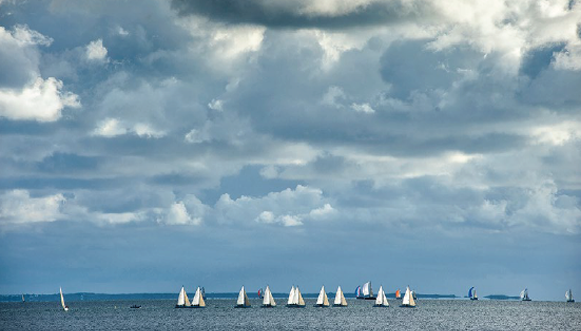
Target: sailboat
(295, 298)
(569, 296)
(339, 298)
(198, 300)
(183, 300)
(408, 299)
(243, 301)
(260, 293)
(268, 300)
(365, 292)
(381, 300)
(398, 294)
(524, 295)
(322, 299)
(25, 300)
(472, 293)
(65, 307)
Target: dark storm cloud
(288, 15)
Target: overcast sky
(146, 145)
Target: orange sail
(397, 294)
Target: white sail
(381, 300)
(291, 296)
(63, 300)
(366, 290)
(181, 297)
(198, 300)
(524, 295)
(299, 296)
(339, 298)
(322, 299)
(268, 300)
(569, 296)
(408, 299)
(475, 294)
(243, 298)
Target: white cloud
(178, 215)
(269, 172)
(23, 36)
(286, 208)
(18, 207)
(111, 127)
(95, 51)
(216, 104)
(362, 108)
(42, 101)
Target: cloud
(112, 127)
(18, 207)
(362, 108)
(95, 51)
(41, 101)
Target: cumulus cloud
(18, 207)
(42, 101)
(95, 51)
(111, 127)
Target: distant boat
(381, 300)
(183, 300)
(339, 298)
(398, 294)
(414, 295)
(295, 298)
(524, 295)
(25, 300)
(65, 307)
(569, 296)
(198, 300)
(135, 306)
(268, 300)
(472, 294)
(243, 301)
(322, 299)
(408, 299)
(260, 293)
(365, 292)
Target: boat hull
(339, 306)
(571, 300)
(267, 306)
(295, 306)
(321, 306)
(526, 300)
(407, 306)
(380, 306)
(242, 306)
(366, 298)
(473, 299)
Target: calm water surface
(359, 315)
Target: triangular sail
(470, 292)
(381, 300)
(268, 300)
(322, 299)
(569, 295)
(398, 294)
(243, 298)
(339, 298)
(198, 300)
(408, 299)
(291, 296)
(300, 300)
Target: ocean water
(359, 315)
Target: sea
(220, 314)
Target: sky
(146, 145)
